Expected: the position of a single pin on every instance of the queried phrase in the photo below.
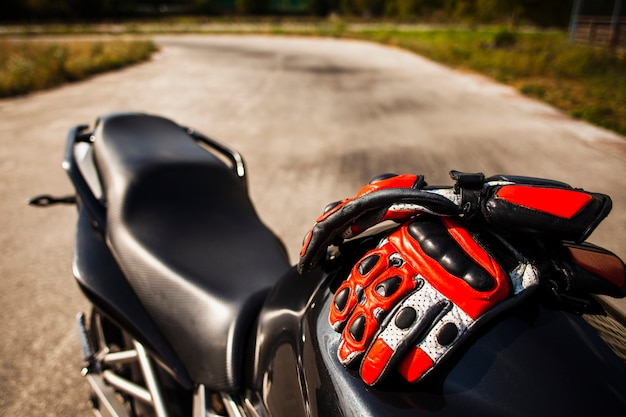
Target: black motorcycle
(197, 311)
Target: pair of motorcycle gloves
(455, 257)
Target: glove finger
(447, 333)
(408, 323)
(420, 331)
(356, 336)
(350, 292)
(377, 300)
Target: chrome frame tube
(107, 404)
(150, 394)
(199, 402)
(127, 387)
(230, 405)
(151, 381)
(114, 358)
(105, 382)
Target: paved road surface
(314, 118)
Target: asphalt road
(315, 119)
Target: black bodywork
(171, 249)
(531, 361)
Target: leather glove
(409, 302)
(507, 204)
(387, 197)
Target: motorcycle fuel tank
(530, 361)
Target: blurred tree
(321, 7)
(460, 9)
(252, 6)
(13, 9)
(347, 7)
(202, 6)
(540, 12)
(490, 11)
(42, 8)
(370, 7)
(403, 9)
(549, 13)
(597, 7)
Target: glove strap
(531, 205)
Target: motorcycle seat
(182, 228)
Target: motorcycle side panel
(103, 283)
(531, 361)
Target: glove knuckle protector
(431, 282)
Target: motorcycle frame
(105, 382)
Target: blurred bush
(27, 66)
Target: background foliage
(537, 12)
(27, 66)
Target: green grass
(584, 81)
(30, 65)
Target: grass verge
(30, 65)
(584, 81)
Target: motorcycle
(197, 311)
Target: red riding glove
(408, 303)
(508, 204)
(413, 299)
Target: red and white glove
(507, 204)
(409, 302)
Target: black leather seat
(183, 230)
